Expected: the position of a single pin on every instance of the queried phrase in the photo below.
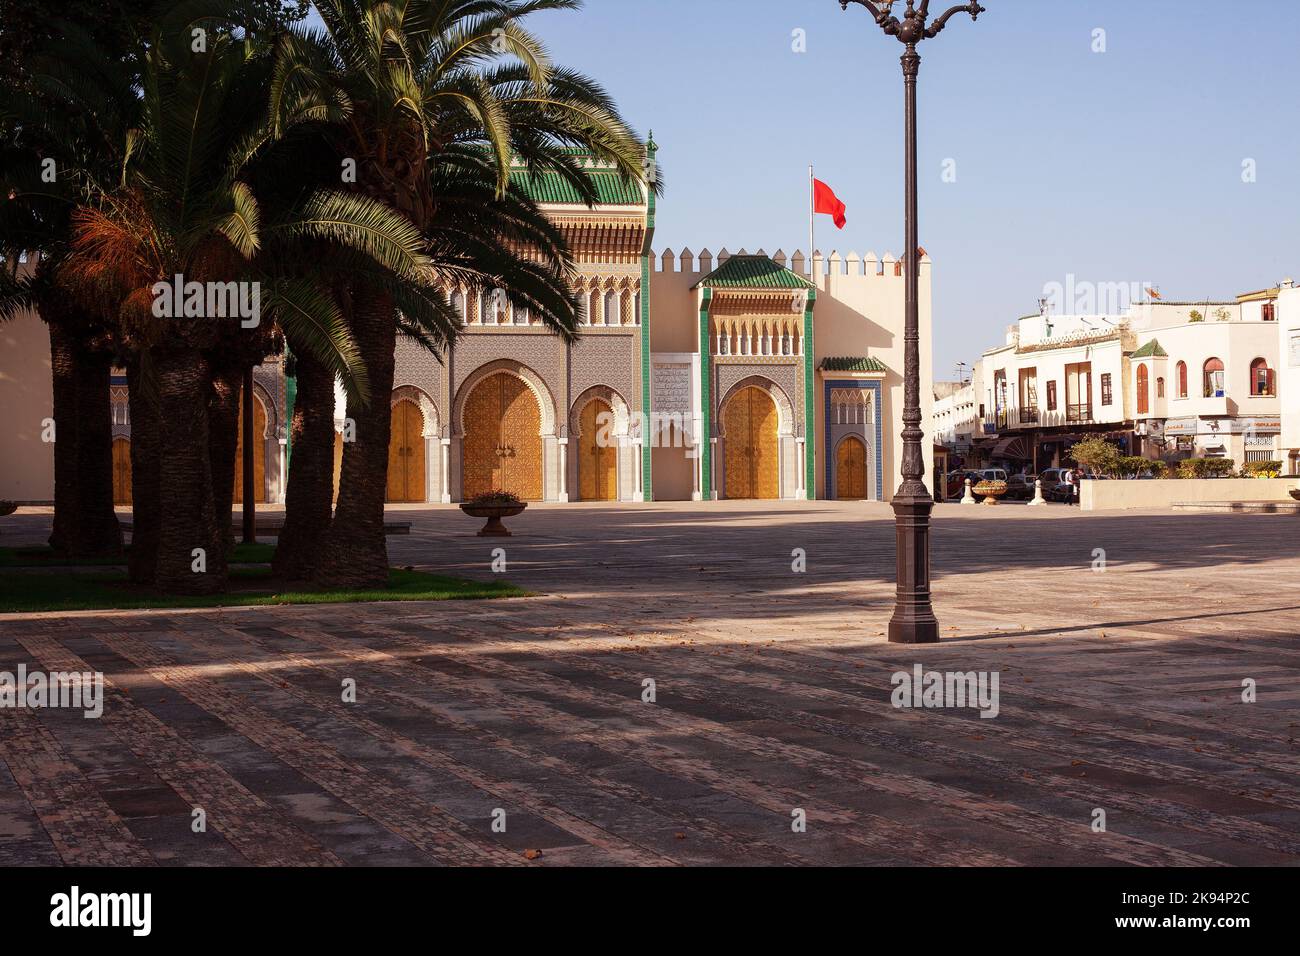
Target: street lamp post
(913, 621)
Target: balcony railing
(1078, 413)
(1029, 416)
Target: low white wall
(1163, 493)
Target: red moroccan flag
(825, 201)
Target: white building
(1204, 380)
(1168, 380)
(957, 421)
(1056, 379)
(1288, 376)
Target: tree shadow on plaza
(650, 547)
(652, 565)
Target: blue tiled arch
(828, 457)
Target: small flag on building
(1154, 294)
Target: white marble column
(799, 490)
(697, 473)
(637, 452)
(564, 469)
(444, 477)
(713, 468)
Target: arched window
(1214, 381)
(1261, 378)
(1182, 379)
(1144, 396)
(612, 316)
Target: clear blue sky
(1122, 166)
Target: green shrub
(1130, 466)
(1261, 469)
(1206, 468)
(1096, 454)
(1195, 316)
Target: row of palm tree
(354, 172)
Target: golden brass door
(597, 454)
(752, 450)
(851, 470)
(406, 453)
(502, 450)
(259, 454)
(121, 471)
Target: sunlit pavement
(1120, 641)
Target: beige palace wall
(859, 313)
(862, 315)
(26, 400)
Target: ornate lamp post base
(913, 621)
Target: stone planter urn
(991, 491)
(494, 507)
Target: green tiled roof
(753, 272)
(846, 363)
(550, 187)
(1151, 350)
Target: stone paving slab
(1120, 642)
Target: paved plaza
(1120, 691)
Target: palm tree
(186, 207)
(69, 96)
(38, 188)
(437, 100)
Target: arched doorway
(406, 453)
(597, 453)
(752, 450)
(851, 469)
(259, 453)
(503, 444)
(121, 471)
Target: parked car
(956, 482)
(993, 474)
(1020, 487)
(1052, 479)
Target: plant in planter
(991, 490)
(494, 505)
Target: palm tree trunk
(85, 524)
(63, 367)
(146, 518)
(98, 530)
(355, 553)
(309, 495)
(223, 443)
(191, 552)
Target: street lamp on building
(913, 621)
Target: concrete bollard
(1038, 493)
(968, 498)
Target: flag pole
(812, 202)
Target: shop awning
(1015, 449)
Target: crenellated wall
(859, 312)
